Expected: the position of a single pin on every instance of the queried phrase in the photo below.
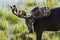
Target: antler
(20, 14)
(15, 11)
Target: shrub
(20, 31)
(12, 18)
(3, 13)
(31, 3)
(3, 25)
(20, 28)
(2, 36)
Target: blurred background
(14, 28)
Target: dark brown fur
(49, 23)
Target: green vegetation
(50, 3)
(12, 18)
(19, 30)
(2, 36)
(31, 2)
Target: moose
(22, 14)
(41, 19)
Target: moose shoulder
(50, 23)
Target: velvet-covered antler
(19, 13)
